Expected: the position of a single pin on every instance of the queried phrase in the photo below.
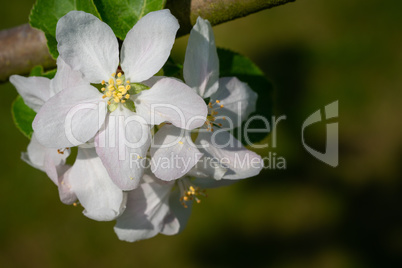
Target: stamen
(103, 89)
(119, 74)
(111, 82)
(103, 82)
(127, 96)
(119, 82)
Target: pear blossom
(230, 102)
(35, 91)
(158, 206)
(87, 180)
(120, 114)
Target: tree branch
(23, 47)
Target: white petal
(147, 208)
(222, 146)
(208, 167)
(34, 90)
(45, 159)
(87, 45)
(147, 45)
(173, 153)
(70, 118)
(201, 64)
(65, 78)
(152, 81)
(208, 183)
(180, 213)
(171, 101)
(89, 180)
(122, 145)
(238, 101)
(67, 196)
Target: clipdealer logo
(331, 154)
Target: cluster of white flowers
(148, 146)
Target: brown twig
(23, 47)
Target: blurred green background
(309, 215)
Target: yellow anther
(116, 100)
(139, 157)
(192, 188)
(123, 101)
(124, 91)
(113, 74)
(221, 106)
(218, 101)
(127, 96)
(185, 198)
(119, 74)
(121, 88)
(75, 204)
(118, 82)
(103, 82)
(110, 87)
(103, 89)
(198, 200)
(180, 142)
(111, 81)
(108, 94)
(127, 82)
(104, 96)
(108, 103)
(223, 118)
(128, 86)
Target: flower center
(189, 192)
(212, 113)
(116, 90)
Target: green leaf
(234, 64)
(121, 15)
(137, 88)
(172, 68)
(38, 71)
(129, 104)
(23, 116)
(45, 14)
